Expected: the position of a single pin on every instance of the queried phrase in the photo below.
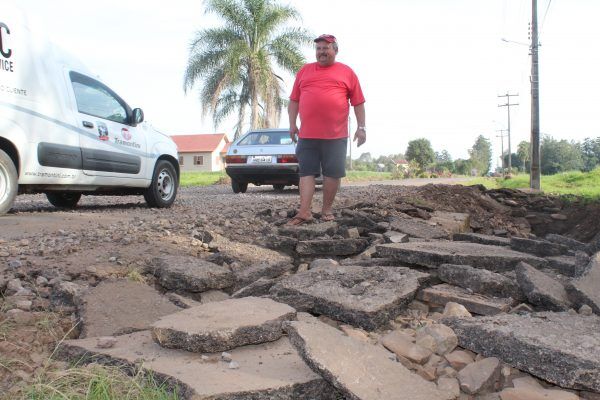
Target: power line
(544, 20)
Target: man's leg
(307, 190)
(330, 188)
(334, 169)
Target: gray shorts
(326, 156)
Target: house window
(198, 160)
(180, 160)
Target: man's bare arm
(293, 108)
(360, 136)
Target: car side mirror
(137, 116)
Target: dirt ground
(108, 237)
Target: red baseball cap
(326, 38)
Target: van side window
(94, 98)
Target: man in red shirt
(321, 95)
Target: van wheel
(238, 187)
(63, 199)
(8, 182)
(279, 187)
(163, 189)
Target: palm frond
(234, 64)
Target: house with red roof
(202, 152)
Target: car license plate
(262, 159)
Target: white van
(65, 133)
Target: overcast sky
(428, 68)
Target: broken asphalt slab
(223, 325)
(247, 254)
(560, 348)
(475, 303)
(586, 289)
(190, 274)
(541, 290)
(481, 239)
(452, 222)
(114, 308)
(479, 281)
(432, 254)
(361, 371)
(418, 228)
(360, 296)
(329, 247)
(538, 247)
(263, 372)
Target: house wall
(188, 162)
(212, 160)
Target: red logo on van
(126, 134)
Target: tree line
(420, 159)
(558, 155)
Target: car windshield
(266, 138)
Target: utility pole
(501, 136)
(508, 105)
(534, 176)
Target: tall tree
(462, 167)
(420, 151)
(481, 155)
(443, 157)
(590, 149)
(234, 64)
(559, 156)
(523, 151)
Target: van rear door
(110, 145)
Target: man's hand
(360, 137)
(294, 133)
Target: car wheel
(63, 199)
(278, 187)
(8, 182)
(238, 187)
(163, 189)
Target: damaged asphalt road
(456, 291)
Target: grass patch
(357, 176)
(189, 179)
(94, 382)
(202, 178)
(136, 276)
(6, 328)
(575, 183)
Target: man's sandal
(297, 220)
(328, 217)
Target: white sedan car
(262, 157)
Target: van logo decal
(5, 63)
(126, 134)
(102, 130)
(8, 52)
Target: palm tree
(234, 64)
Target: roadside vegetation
(93, 382)
(359, 176)
(190, 179)
(202, 178)
(576, 183)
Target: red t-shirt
(323, 94)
